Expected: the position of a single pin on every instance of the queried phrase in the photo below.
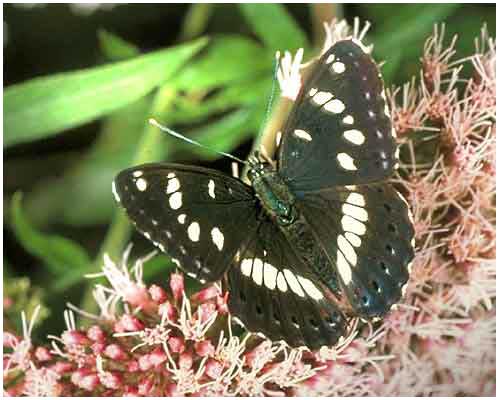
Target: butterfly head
(258, 170)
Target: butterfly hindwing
(367, 234)
(273, 292)
(193, 214)
(339, 130)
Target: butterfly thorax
(274, 194)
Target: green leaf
(62, 256)
(160, 264)
(272, 23)
(45, 106)
(413, 26)
(116, 48)
(238, 94)
(82, 197)
(227, 59)
(228, 132)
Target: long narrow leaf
(45, 106)
(59, 254)
(273, 24)
(227, 59)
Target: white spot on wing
(172, 186)
(175, 200)
(312, 92)
(336, 106)
(270, 276)
(246, 266)
(353, 239)
(355, 136)
(355, 212)
(346, 162)
(356, 199)
(347, 250)
(176, 262)
(193, 231)
(181, 219)
(330, 59)
(338, 67)
(257, 273)
(293, 283)
(348, 120)
(218, 238)
(302, 134)
(350, 224)
(322, 97)
(281, 282)
(311, 290)
(137, 174)
(343, 268)
(211, 188)
(115, 193)
(170, 175)
(141, 184)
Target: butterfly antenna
(152, 121)
(272, 94)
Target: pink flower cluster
(440, 341)
(151, 341)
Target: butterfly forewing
(196, 215)
(339, 131)
(367, 234)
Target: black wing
(272, 292)
(366, 232)
(196, 215)
(339, 131)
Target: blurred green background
(80, 82)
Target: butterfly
(314, 240)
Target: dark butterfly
(318, 239)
